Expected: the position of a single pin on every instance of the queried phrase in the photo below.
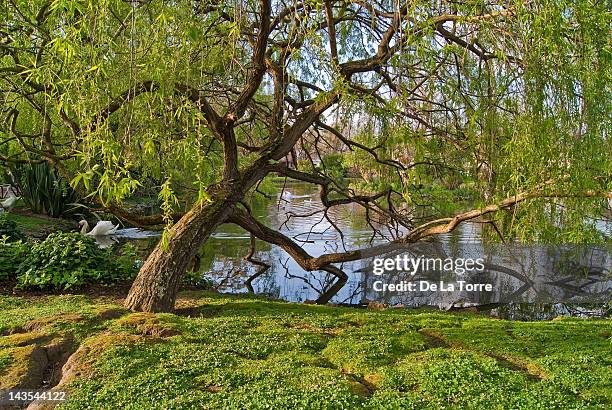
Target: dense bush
(68, 260)
(9, 230)
(12, 254)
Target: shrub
(68, 260)
(45, 192)
(197, 280)
(8, 229)
(11, 255)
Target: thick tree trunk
(155, 288)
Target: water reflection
(505, 274)
(124, 235)
(296, 212)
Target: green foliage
(5, 360)
(12, 253)
(251, 353)
(24, 310)
(196, 280)
(69, 260)
(45, 192)
(514, 95)
(9, 229)
(332, 164)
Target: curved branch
(259, 68)
(446, 225)
(439, 226)
(141, 221)
(303, 258)
(350, 143)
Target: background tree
(207, 98)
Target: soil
(117, 291)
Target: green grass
(29, 222)
(235, 353)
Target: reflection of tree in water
(322, 282)
(522, 279)
(541, 275)
(228, 259)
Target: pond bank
(222, 351)
(40, 226)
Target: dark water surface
(530, 282)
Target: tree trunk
(157, 283)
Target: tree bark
(156, 286)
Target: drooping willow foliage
(489, 96)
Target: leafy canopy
(495, 97)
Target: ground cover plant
(244, 352)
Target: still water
(528, 281)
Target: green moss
(5, 359)
(75, 314)
(237, 352)
(18, 368)
(23, 339)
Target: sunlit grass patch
(248, 352)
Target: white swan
(102, 228)
(289, 195)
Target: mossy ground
(236, 352)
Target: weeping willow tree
(205, 97)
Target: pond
(530, 282)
